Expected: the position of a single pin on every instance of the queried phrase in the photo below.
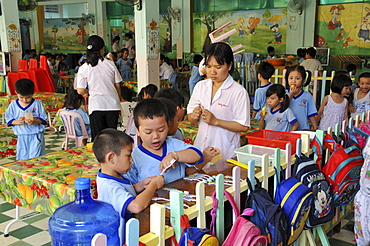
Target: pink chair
(69, 119)
(131, 132)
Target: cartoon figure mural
(336, 13)
(253, 22)
(277, 34)
(364, 32)
(241, 27)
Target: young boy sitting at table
(157, 151)
(112, 149)
(27, 117)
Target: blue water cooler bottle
(77, 222)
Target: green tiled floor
(34, 231)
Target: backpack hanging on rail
(193, 236)
(268, 216)
(322, 209)
(243, 232)
(343, 170)
(295, 199)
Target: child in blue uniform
(112, 149)
(27, 117)
(124, 65)
(301, 102)
(278, 116)
(73, 103)
(264, 73)
(157, 151)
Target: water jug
(77, 222)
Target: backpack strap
(184, 223)
(230, 198)
(330, 143)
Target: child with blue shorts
(112, 149)
(27, 117)
(156, 152)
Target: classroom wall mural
(256, 29)
(69, 35)
(344, 28)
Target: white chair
(69, 120)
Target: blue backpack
(295, 200)
(268, 216)
(322, 209)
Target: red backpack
(343, 170)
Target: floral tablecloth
(45, 183)
(51, 101)
(130, 84)
(190, 131)
(8, 142)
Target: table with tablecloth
(190, 131)
(52, 102)
(45, 183)
(132, 84)
(8, 142)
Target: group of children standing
(293, 108)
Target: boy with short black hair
(157, 151)
(271, 52)
(27, 117)
(112, 149)
(264, 73)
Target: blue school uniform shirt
(119, 193)
(260, 99)
(15, 111)
(276, 121)
(146, 163)
(85, 118)
(303, 107)
(122, 67)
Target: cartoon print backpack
(243, 232)
(322, 207)
(295, 200)
(343, 170)
(268, 216)
(192, 236)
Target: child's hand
(197, 112)
(352, 109)
(294, 91)
(158, 181)
(208, 153)
(167, 161)
(208, 117)
(20, 121)
(31, 121)
(146, 181)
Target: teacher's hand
(208, 117)
(197, 112)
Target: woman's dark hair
(279, 90)
(73, 100)
(129, 35)
(94, 45)
(302, 71)
(339, 82)
(222, 53)
(116, 38)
